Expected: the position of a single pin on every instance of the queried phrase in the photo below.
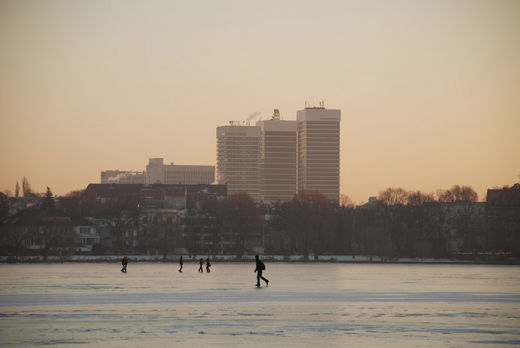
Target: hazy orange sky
(429, 90)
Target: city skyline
(429, 92)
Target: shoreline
(347, 259)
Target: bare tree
(445, 196)
(311, 221)
(345, 201)
(163, 234)
(468, 194)
(457, 193)
(17, 190)
(4, 206)
(419, 198)
(240, 219)
(393, 196)
(48, 201)
(56, 235)
(26, 187)
(15, 237)
(71, 203)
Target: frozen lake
(153, 305)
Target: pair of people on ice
(201, 263)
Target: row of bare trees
(307, 221)
(399, 224)
(394, 196)
(39, 229)
(26, 189)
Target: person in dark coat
(208, 265)
(180, 263)
(124, 262)
(260, 267)
(201, 263)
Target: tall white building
(238, 158)
(158, 172)
(277, 159)
(318, 150)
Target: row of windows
(275, 170)
(318, 183)
(318, 122)
(279, 158)
(318, 172)
(244, 141)
(320, 149)
(317, 129)
(280, 133)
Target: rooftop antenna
(276, 115)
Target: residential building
(158, 196)
(88, 236)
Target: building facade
(238, 158)
(159, 173)
(318, 151)
(277, 159)
(122, 177)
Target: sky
(429, 91)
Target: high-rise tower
(318, 150)
(238, 158)
(277, 159)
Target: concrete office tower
(158, 172)
(277, 159)
(238, 156)
(318, 150)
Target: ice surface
(153, 305)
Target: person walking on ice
(124, 262)
(260, 267)
(201, 262)
(180, 263)
(208, 265)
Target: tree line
(398, 223)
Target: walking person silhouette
(180, 263)
(201, 262)
(260, 267)
(208, 265)
(124, 262)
